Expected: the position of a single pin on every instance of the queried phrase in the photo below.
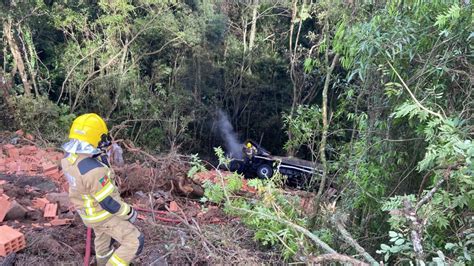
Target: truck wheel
(236, 166)
(264, 171)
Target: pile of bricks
(50, 212)
(32, 161)
(10, 240)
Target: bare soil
(204, 236)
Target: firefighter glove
(132, 216)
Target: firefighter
(250, 151)
(93, 192)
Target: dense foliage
(380, 93)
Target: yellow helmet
(89, 128)
(249, 145)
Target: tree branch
(323, 259)
(412, 95)
(351, 241)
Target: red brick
(50, 210)
(49, 167)
(34, 166)
(10, 240)
(24, 167)
(4, 206)
(28, 150)
(13, 153)
(52, 173)
(41, 154)
(174, 206)
(58, 176)
(30, 137)
(6, 147)
(11, 167)
(40, 203)
(20, 132)
(56, 221)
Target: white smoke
(226, 130)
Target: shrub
(42, 117)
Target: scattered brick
(36, 225)
(58, 176)
(6, 147)
(47, 167)
(28, 150)
(11, 167)
(20, 132)
(174, 206)
(24, 167)
(50, 210)
(51, 173)
(29, 137)
(56, 221)
(13, 153)
(40, 203)
(10, 240)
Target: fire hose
(88, 246)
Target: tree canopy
(379, 92)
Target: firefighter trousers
(115, 229)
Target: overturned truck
(258, 162)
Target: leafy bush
(41, 116)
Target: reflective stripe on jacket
(92, 189)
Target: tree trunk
(291, 151)
(253, 28)
(322, 146)
(29, 55)
(7, 31)
(7, 111)
(244, 34)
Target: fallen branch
(351, 241)
(336, 257)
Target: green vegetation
(380, 93)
